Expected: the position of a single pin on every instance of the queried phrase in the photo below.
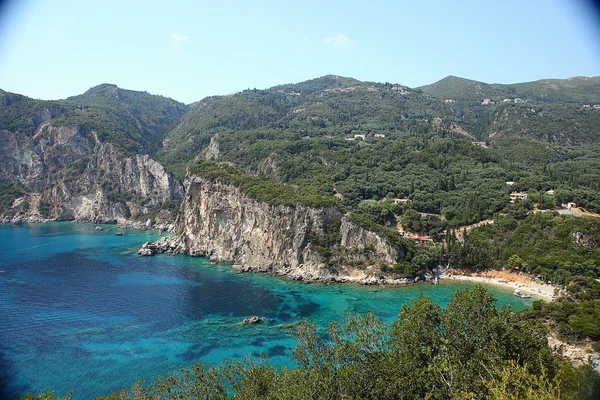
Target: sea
(80, 311)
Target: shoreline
(511, 281)
(504, 279)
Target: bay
(81, 311)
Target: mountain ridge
(329, 79)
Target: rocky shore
(176, 245)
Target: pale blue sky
(187, 50)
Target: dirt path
(469, 228)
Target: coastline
(507, 280)
(504, 279)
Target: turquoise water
(80, 311)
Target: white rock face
(72, 176)
(223, 223)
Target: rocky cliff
(221, 222)
(64, 174)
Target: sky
(190, 49)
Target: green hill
(579, 90)
(453, 87)
(137, 122)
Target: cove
(81, 311)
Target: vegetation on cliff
(552, 246)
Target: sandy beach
(508, 280)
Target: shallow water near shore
(81, 311)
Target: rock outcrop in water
(222, 222)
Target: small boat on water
(522, 295)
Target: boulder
(252, 320)
(147, 249)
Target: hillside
(86, 157)
(380, 150)
(136, 122)
(453, 87)
(579, 90)
(372, 140)
(338, 180)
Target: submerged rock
(252, 320)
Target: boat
(522, 295)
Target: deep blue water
(80, 311)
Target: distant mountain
(581, 90)
(86, 157)
(318, 84)
(453, 87)
(136, 122)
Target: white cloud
(339, 41)
(177, 39)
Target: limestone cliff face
(71, 176)
(221, 222)
(353, 236)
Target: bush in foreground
(469, 350)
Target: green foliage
(470, 350)
(378, 213)
(262, 189)
(579, 90)
(323, 243)
(8, 193)
(543, 244)
(200, 381)
(136, 122)
(573, 321)
(393, 237)
(46, 396)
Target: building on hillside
(481, 144)
(514, 196)
(571, 205)
(400, 201)
(451, 101)
(550, 192)
(510, 183)
(596, 106)
(507, 101)
(360, 136)
(520, 101)
(379, 135)
(419, 240)
(485, 102)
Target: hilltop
(579, 90)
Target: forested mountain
(357, 140)
(86, 157)
(579, 90)
(338, 172)
(371, 141)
